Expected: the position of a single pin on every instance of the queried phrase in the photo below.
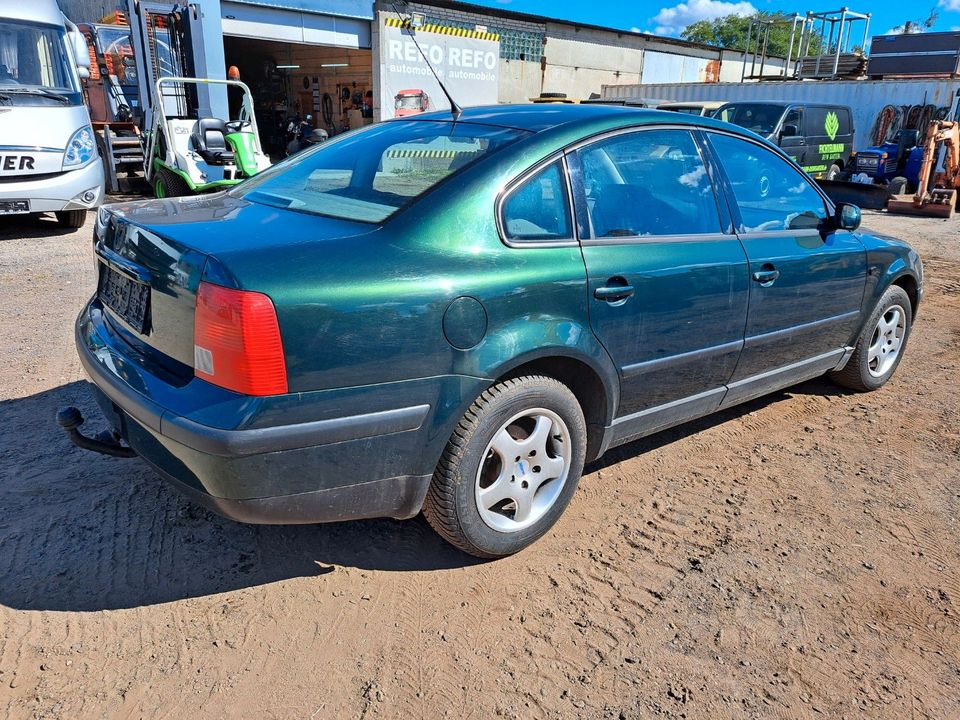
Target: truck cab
(818, 137)
(48, 156)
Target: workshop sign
(468, 62)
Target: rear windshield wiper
(42, 93)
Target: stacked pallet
(850, 65)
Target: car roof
(796, 103)
(695, 103)
(542, 117)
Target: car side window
(828, 122)
(648, 183)
(539, 209)
(771, 194)
(794, 118)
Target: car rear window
(370, 175)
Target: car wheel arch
(596, 388)
(911, 286)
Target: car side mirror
(847, 216)
(789, 131)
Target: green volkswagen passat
(454, 316)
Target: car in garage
(454, 314)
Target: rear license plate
(126, 297)
(14, 207)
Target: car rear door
(806, 281)
(829, 132)
(791, 135)
(667, 277)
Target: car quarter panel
(385, 321)
(889, 261)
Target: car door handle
(613, 293)
(766, 276)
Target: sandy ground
(796, 557)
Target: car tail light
(237, 341)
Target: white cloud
(672, 20)
(951, 5)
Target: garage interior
(292, 80)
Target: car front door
(667, 277)
(806, 279)
(791, 134)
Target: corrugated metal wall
(865, 97)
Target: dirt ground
(797, 557)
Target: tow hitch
(107, 443)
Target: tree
(731, 32)
(918, 26)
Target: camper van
(48, 151)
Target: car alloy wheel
(887, 341)
(523, 471)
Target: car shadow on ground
(23, 227)
(84, 532)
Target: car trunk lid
(152, 256)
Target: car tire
(71, 218)
(169, 184)
(833, 173)
(897, 186)
(492, 493)
(880, 347)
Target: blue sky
(669, 16)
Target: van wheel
(169, 184)
(834, 172)
(71, 218)
(880, 347)
(510, 468)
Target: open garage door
(284, 25)
(291, 81)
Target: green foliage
(731, 32)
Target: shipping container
(865, 97)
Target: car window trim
(732, 199)
(571, 152)
(516, 184)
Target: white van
(48, 152)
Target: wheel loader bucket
(864, 196)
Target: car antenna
(455, 109)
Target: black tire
(857, 374)
(451, 505)
(897, 186)
(71, 218)
(168, 184)
(833, 173)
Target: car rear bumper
(375, 463)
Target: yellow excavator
(939, 175)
